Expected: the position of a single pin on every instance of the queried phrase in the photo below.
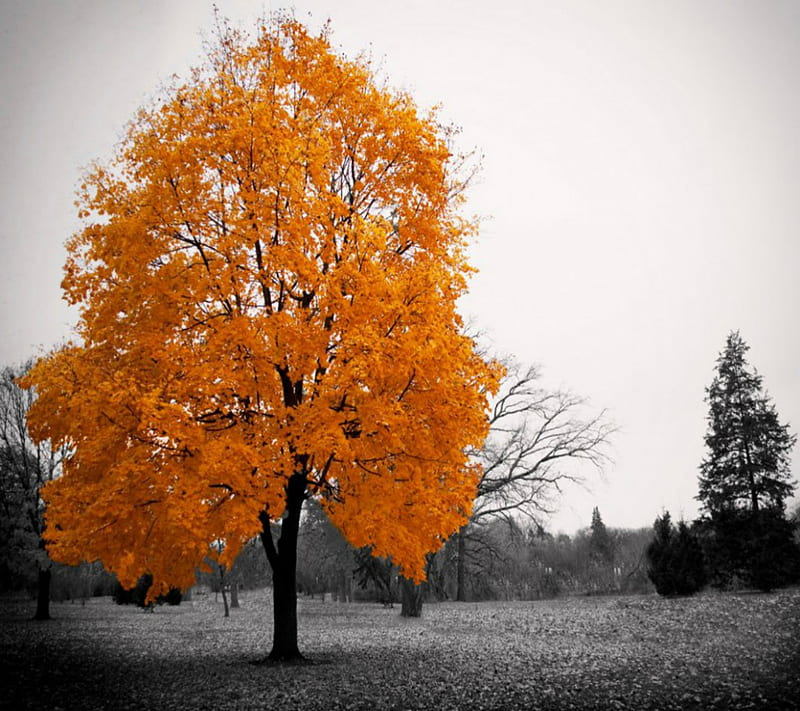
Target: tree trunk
(751, 480)
(43, 595)
(283, 561)
(234, 595)
(225, 602)
(222, 590)
(460, 563)
(412, 598)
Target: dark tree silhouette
(747, 464)
(745, 478)
(675, 558)
(600, 541)
(25, 468)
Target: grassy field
(715, 650)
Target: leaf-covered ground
(713, 651)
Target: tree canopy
(267, 279)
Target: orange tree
(267, 279)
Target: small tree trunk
(460, 563)
(412, 598)
(751, 480)
(222, 590)
(43, 595)
(234, 595)
(283, 561)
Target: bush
(675, 559)
(137, 594)
(173, 597)
(757, 548)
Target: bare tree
(539, 440)
(24, 469)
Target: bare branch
(539, 440)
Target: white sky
(641, 173)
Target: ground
(711, 651)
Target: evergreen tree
(747, 465)
(688, 564)
(756, 549)
(675, 558)
(600, 543)
(745, 478)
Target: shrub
(173, 597)
(757, 548)
(675, 558)
(137, 594)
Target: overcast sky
(641, 184)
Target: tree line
(501, 561)
(744, 537)
(539, 439)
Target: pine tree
(600, 543)
(745, 478)
(747, 466)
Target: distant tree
(137, 595)
(377, 573)
(325, 560)
(386, 580)
(249, 571)
(747, 465)
(600, 541)
(498, 558)
(537, 440)
(601, 577)
(133, 595)
(745, 478)
(25, 467)
(675, 558)
(220, 572)
(510, 561)
(555, 559)
(80, 582)
(630, 557)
